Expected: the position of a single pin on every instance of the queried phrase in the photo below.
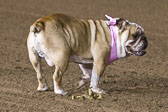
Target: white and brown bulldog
(93, 44)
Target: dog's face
(135, 41)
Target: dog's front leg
(87, 72)
(97, 72)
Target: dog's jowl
(93, 44)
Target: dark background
(134, 84)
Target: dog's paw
(42, 88)
(60, 92)
(98, 90)
(82, 82)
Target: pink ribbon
(113, 51)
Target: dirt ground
(134, 84)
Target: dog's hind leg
(36, 62)
(87, 72)
(57, 78)
(60, 68)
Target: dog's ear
(121, 23)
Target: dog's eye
(135, 36)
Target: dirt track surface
(134, 84)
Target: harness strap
(113, 51)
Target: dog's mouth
(137, 53)
(137, 47)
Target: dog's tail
(37, 27)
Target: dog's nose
(144, 41)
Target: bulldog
(93, 44)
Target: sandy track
(135, 84)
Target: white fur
(135, 25)
(38, 47)
(94, 79)
(86, 75)
(42, 89)
(59, 91)
(110, 19)
(94, 83)
(86, 72)
(121, 43)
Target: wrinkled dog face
(136, 43)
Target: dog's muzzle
(138, 47)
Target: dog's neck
(117, 44)
(120, 43)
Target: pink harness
(113, 51)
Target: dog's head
(133, 37)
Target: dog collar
(113, 48)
